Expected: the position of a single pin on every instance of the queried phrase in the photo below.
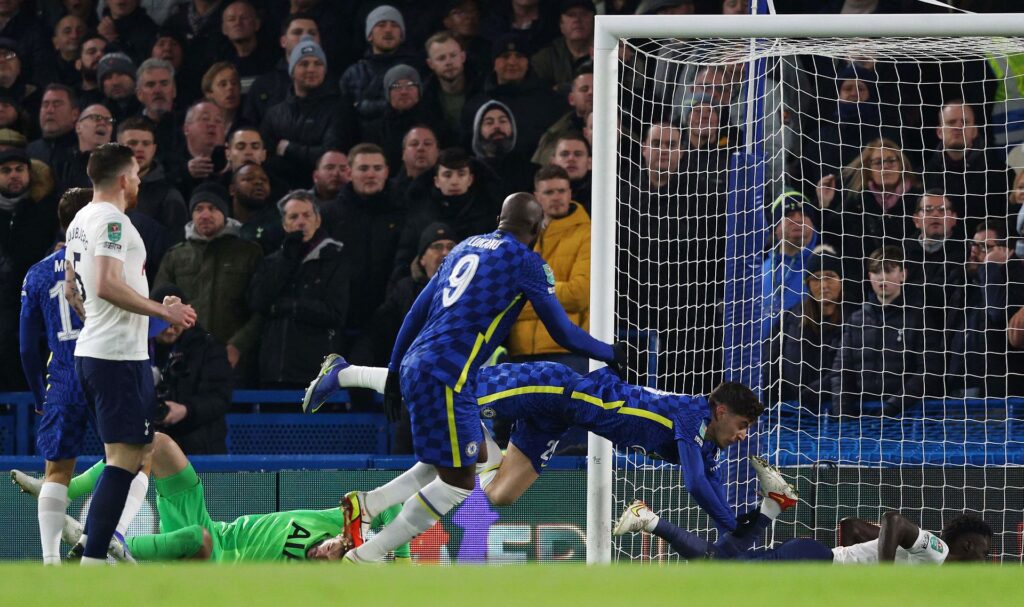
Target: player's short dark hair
(738, 398)
(887, 258)
(963, 525)
(550, 171)
(137, 123)
(454, 159)
(108, 162)
(71, 203)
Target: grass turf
(792, 585)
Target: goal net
(832, 221)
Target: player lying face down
(965, 538)
(546, 399)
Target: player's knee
(499, 496)
(205, 550)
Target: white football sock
(136, 495)
(356, 376)
(418, 514)
(488, 469)
(53, 502)
(399, 489)
(652, 523)
(770, 508)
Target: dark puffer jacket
(303, 293)
(195, 373)
(309, 124)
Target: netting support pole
(600, 456)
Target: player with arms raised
(106, 283)
(463, 313)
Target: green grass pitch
(709, 585)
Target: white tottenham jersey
(929, 549)
(110, 333)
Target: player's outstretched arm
(705, 491)
(111, 286)
(412, 324)
(895, 531)
(568, 335)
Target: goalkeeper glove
(618, 363)
(393, 397)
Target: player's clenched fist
(181, 315)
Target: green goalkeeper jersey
(278, 536)
(285, 536)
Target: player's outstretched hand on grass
(181, 315)
(393, 397)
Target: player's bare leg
(514, 477)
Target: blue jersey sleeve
(706, 488)
(412, 324)
(537, 281)
(31, 331)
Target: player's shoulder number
(458, 281)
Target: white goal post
(610, 34)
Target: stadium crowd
(307, 165)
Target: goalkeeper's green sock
(86, 481)
(179, 544)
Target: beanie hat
(305, 48)
(825, 260)
(432, 233)
(213, 193)
(384, 12)
(114, 63)
(401, 72)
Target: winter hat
(792, 201)
(305, 48)
(401, 72)
(825, 260)
(213, 193)
(114, 63)
(384, 12)
(434, 232)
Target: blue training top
(468, 307)
(45, 311)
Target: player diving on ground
(188, 531)
(895, 539)
(546, 399)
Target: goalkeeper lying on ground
(546, 399)
(965, 538)
(188, 532)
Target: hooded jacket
(514, 170)
(304, 298)
(214, 274)
(565, 246)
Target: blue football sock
(107, 504)
(688, 545)
(800, 549)
(730, 545)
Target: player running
(464, 312)
(106, 284)
(965, 538)
(546, 399)
(188, 532)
